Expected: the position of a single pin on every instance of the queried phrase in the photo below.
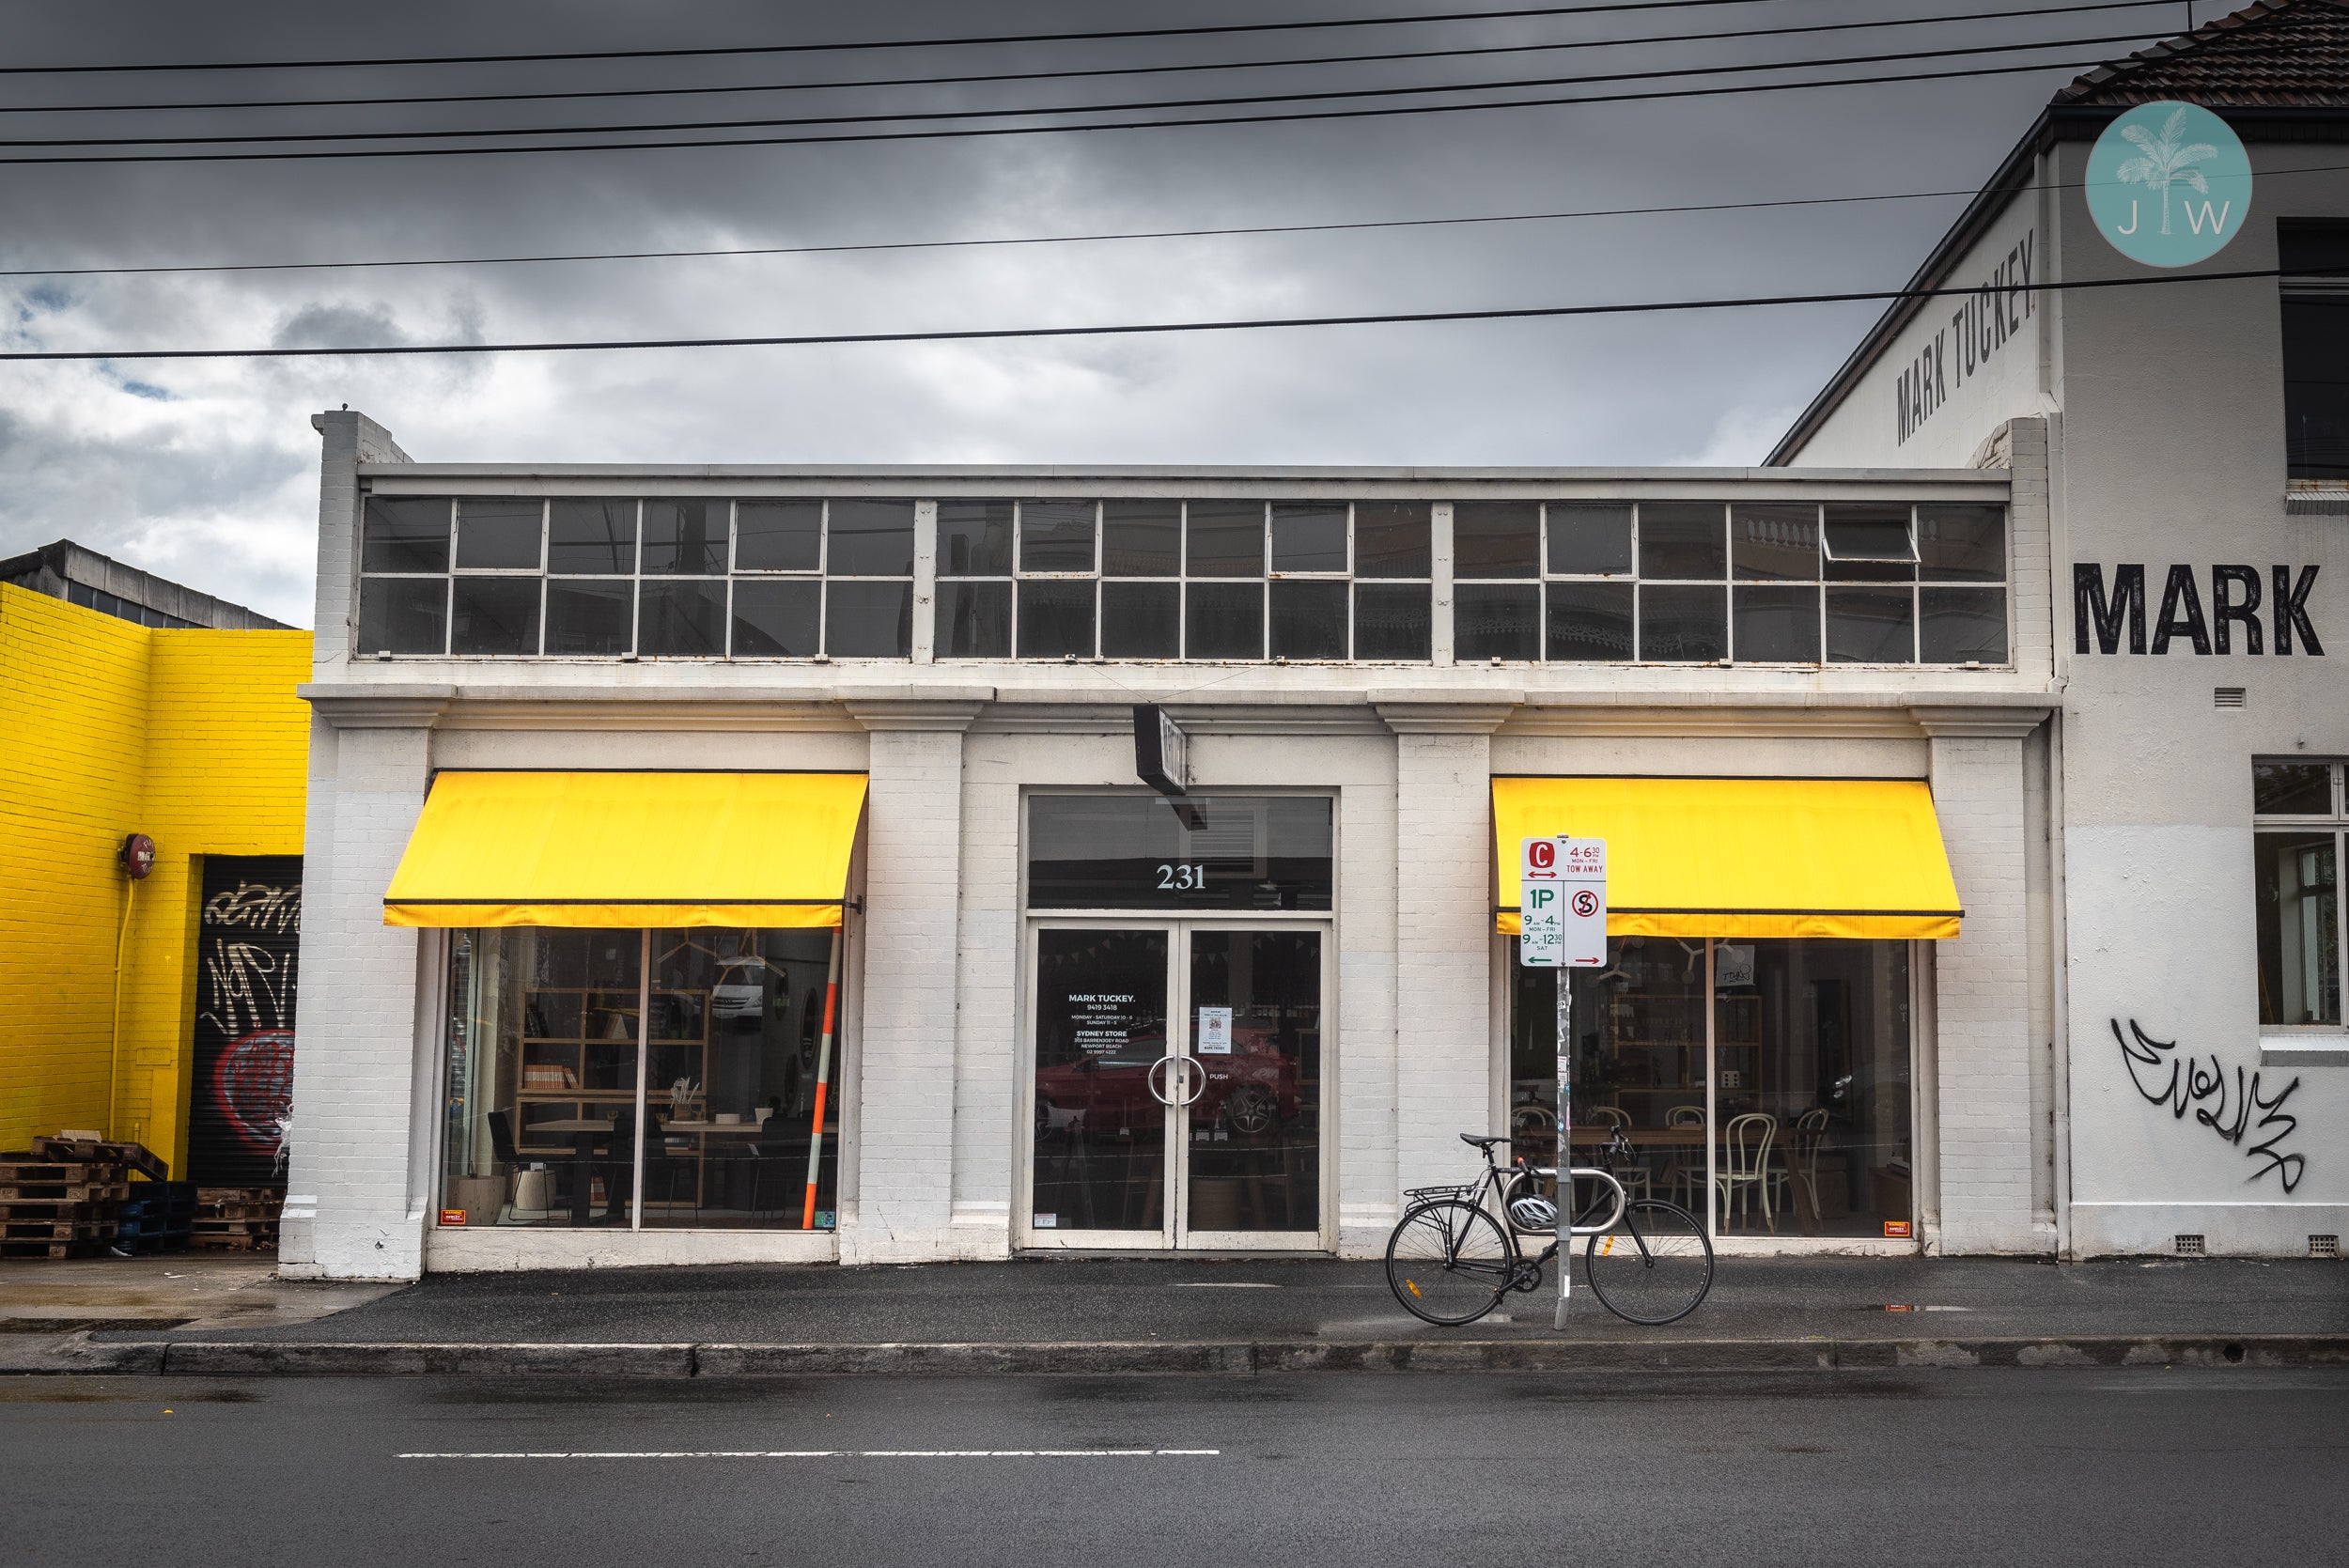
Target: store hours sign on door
(1562, 903)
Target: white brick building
(1076, 1011)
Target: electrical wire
(705, 143)
(1236, 231)
(970, 80)
(998, 334)
(730, 49)
(966, 244)
(1322, 96)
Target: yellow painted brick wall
(192, 738)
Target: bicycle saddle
(1482, 1140)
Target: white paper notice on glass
(1215, 1032)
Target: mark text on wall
(2234, 607)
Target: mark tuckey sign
(1980, 326)
(2111, 617)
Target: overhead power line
(1226, 29)
(1142, 328)
(1145, 106)
(968, 133)
(989, 77)
(968, 244)
(1236, 231)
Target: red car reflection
(1252, 1091)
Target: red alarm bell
(138, 856)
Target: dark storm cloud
(207, 470)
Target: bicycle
(1450, 1262)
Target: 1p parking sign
(1562, 903)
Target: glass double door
(1176, 1087)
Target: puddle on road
(54, 1392)
(84, 1324)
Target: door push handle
(1198, 1085)
(1197, 1078)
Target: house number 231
(1182, 879)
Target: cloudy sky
(206, 471)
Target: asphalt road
(1962, 1467)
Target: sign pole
(1565, 1143)
(1562, 926)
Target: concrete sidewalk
(1251, 1314)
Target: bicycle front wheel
(1652, 1268)
(1448, 1261)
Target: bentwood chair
(1744, 1173)
(1801, 1161)
(1685, 1171)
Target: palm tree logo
(2163, 162)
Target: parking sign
(1562, 903)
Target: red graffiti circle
(252, 1084)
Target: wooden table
(583, 1133)
(1594, 1137)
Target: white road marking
(843, 1454)
(1225, 1284)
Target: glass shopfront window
(551, 1032)
(1785, 1103)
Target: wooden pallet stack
(238, 1218)
(57, 1208)
(65, 1197)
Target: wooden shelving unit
(579, 1055)
(1653, 1027)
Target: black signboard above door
(248, 945)
(1201, 853)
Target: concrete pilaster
(904, 1206)
(1984, 1055)
(352, 1182)
(1443, 930)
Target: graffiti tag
(257, 905)
(248, 988)
(2227, 1108)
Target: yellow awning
(1744, 857)
(629, 849)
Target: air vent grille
(2189, 1246)
(2226, 697)
(2323, 1247)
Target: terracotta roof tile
(2275, 55)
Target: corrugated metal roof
(2275, 55)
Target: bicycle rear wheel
(1652, 1268)
(1449, 1261)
